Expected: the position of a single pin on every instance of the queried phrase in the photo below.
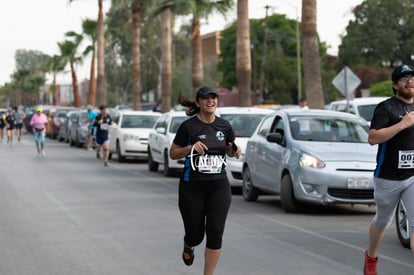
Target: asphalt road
(66, 213)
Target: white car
(160, 140)
(361, 106)
(244, 121)
(128, 137)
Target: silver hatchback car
(310, 156)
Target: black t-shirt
(395, 157)
(102, 129)
(10, 120)
(215, 136)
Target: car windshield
(176, 122)
(331, 129)
(135, 121)
(84, 117)
(243, 124)
(367, 111)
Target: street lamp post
(261, 93)
(298, 49)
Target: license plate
(358, 183)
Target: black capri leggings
(204, 207)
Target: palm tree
(89, 28)
(54, 64)
(136, 55)
(198, 9)
(100, 91)
(311, 58)
(68, 51)
(243, 62)
(166, 70)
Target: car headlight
(311, 162)
(130, 137)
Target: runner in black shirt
(102, 122)
(392, 128)
(10, 123)
(204, 190)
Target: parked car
(362, 106)
(57, 117)
(79, 129)
(310, 156)
(65, 126)
(244, 121)
(159, 142)
(402, 225)
(128, 137)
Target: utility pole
(261, 92)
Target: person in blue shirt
(91, 127)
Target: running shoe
(370, 266)
(98, 156)
(106, 163)
(188, 255)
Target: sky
(39, 25)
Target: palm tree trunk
(311, 58)
(197, 61)
(76, 96)
(243, 62)
(92, 82)
(101, 98)
(166, 61)
(136, 72)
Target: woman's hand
(233, 150)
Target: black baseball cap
(401, 71)
(205, 91)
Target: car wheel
(287, 197)
(78, 143)
(402, 225)
(118, 152)
(168, 172)
(152, 165)
(249, 192)
(71, 141)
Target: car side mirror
(274, 138)
(160, 130)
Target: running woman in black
(10, 122)
(204, 191)
(102, 122)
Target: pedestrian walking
(10, 124)
(102, 123)
(91, 127)
(204, 190)
(392, 129)
(38, 123)
(2, 124)
(18, 116)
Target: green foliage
(380, 34)
(26, 82)
(281, 57)
(381, 89)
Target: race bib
(210, 164)
(104, 126)
(406, 159)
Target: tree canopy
(380, 34)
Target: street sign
(346, 82)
